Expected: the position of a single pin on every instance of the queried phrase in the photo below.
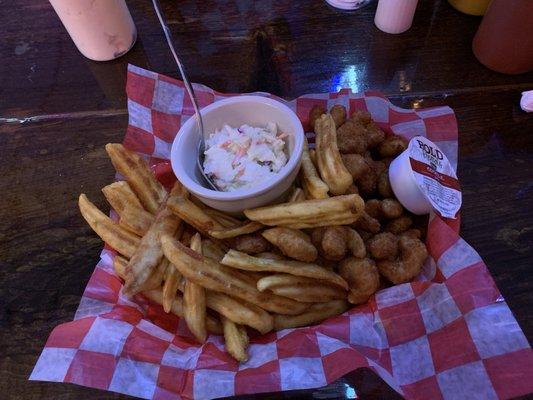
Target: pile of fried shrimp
(340, 236)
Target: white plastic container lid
(423, 179)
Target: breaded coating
(383, 246)
(367, 184)
(251, 244)
(292, 242)
(362, 277)
(373, 208)
(338, 113)
(392, 146)
(384, 186)
(391, 208)
(314, 114)
(334, 244)
(355, 164)
(361, 117)
(352, 189)
(413, 253)
(399, 225)
(367, 223)
(374, 135)
(351, 138)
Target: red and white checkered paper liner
(448, 335)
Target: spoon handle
(186, 82)
(190, 91)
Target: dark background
(58, 109)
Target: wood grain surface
(58, 109)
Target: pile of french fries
(191, 259)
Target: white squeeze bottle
(101, 29)
(395, 16)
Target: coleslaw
(243, 157)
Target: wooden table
(58, 109)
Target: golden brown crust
(292, 243)
(338, 113)
(383, 246)
(351, 138)
(362, 276)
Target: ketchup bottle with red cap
(504, 40)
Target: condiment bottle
(471, 7)
(504, 40)
(395, 16)
(101, 29)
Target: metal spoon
(190, 91)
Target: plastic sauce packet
(422, 179)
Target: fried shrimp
(399, 225)
(413, 253)
(292, 242)
(384, 187)
(374, 135)
(351, 138)
(250, 244)
(356, 165)
(367, 223)
(367, 184)
(334, 242)
(315, 114)
(373, 208)
(383, 246)
(361, 117)
(338, 113)
(362, 277)
(392, 146)
(391, 208)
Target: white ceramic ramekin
(236, 111)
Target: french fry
(271, 281)
(311, 293)
(141, 179)
(314, 187)
(155, 279)
(312, 156)
(236, 339)
(246, 262)
(113, 234)
(212, 324)
(330, 165)
(193, 215)
(149, 252)
(136, 220)
(172, 279)
(314, 314)
(212, 250)
(194, 300)
(227, 233)
(296, 195)
(214, 276)
(345, 220)
(223, 219)
(119, 265)
(170, 287)
(268, 254)
(310, 213)
(120, 196)
(132, 214)
(238, 311)
(156, 295)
